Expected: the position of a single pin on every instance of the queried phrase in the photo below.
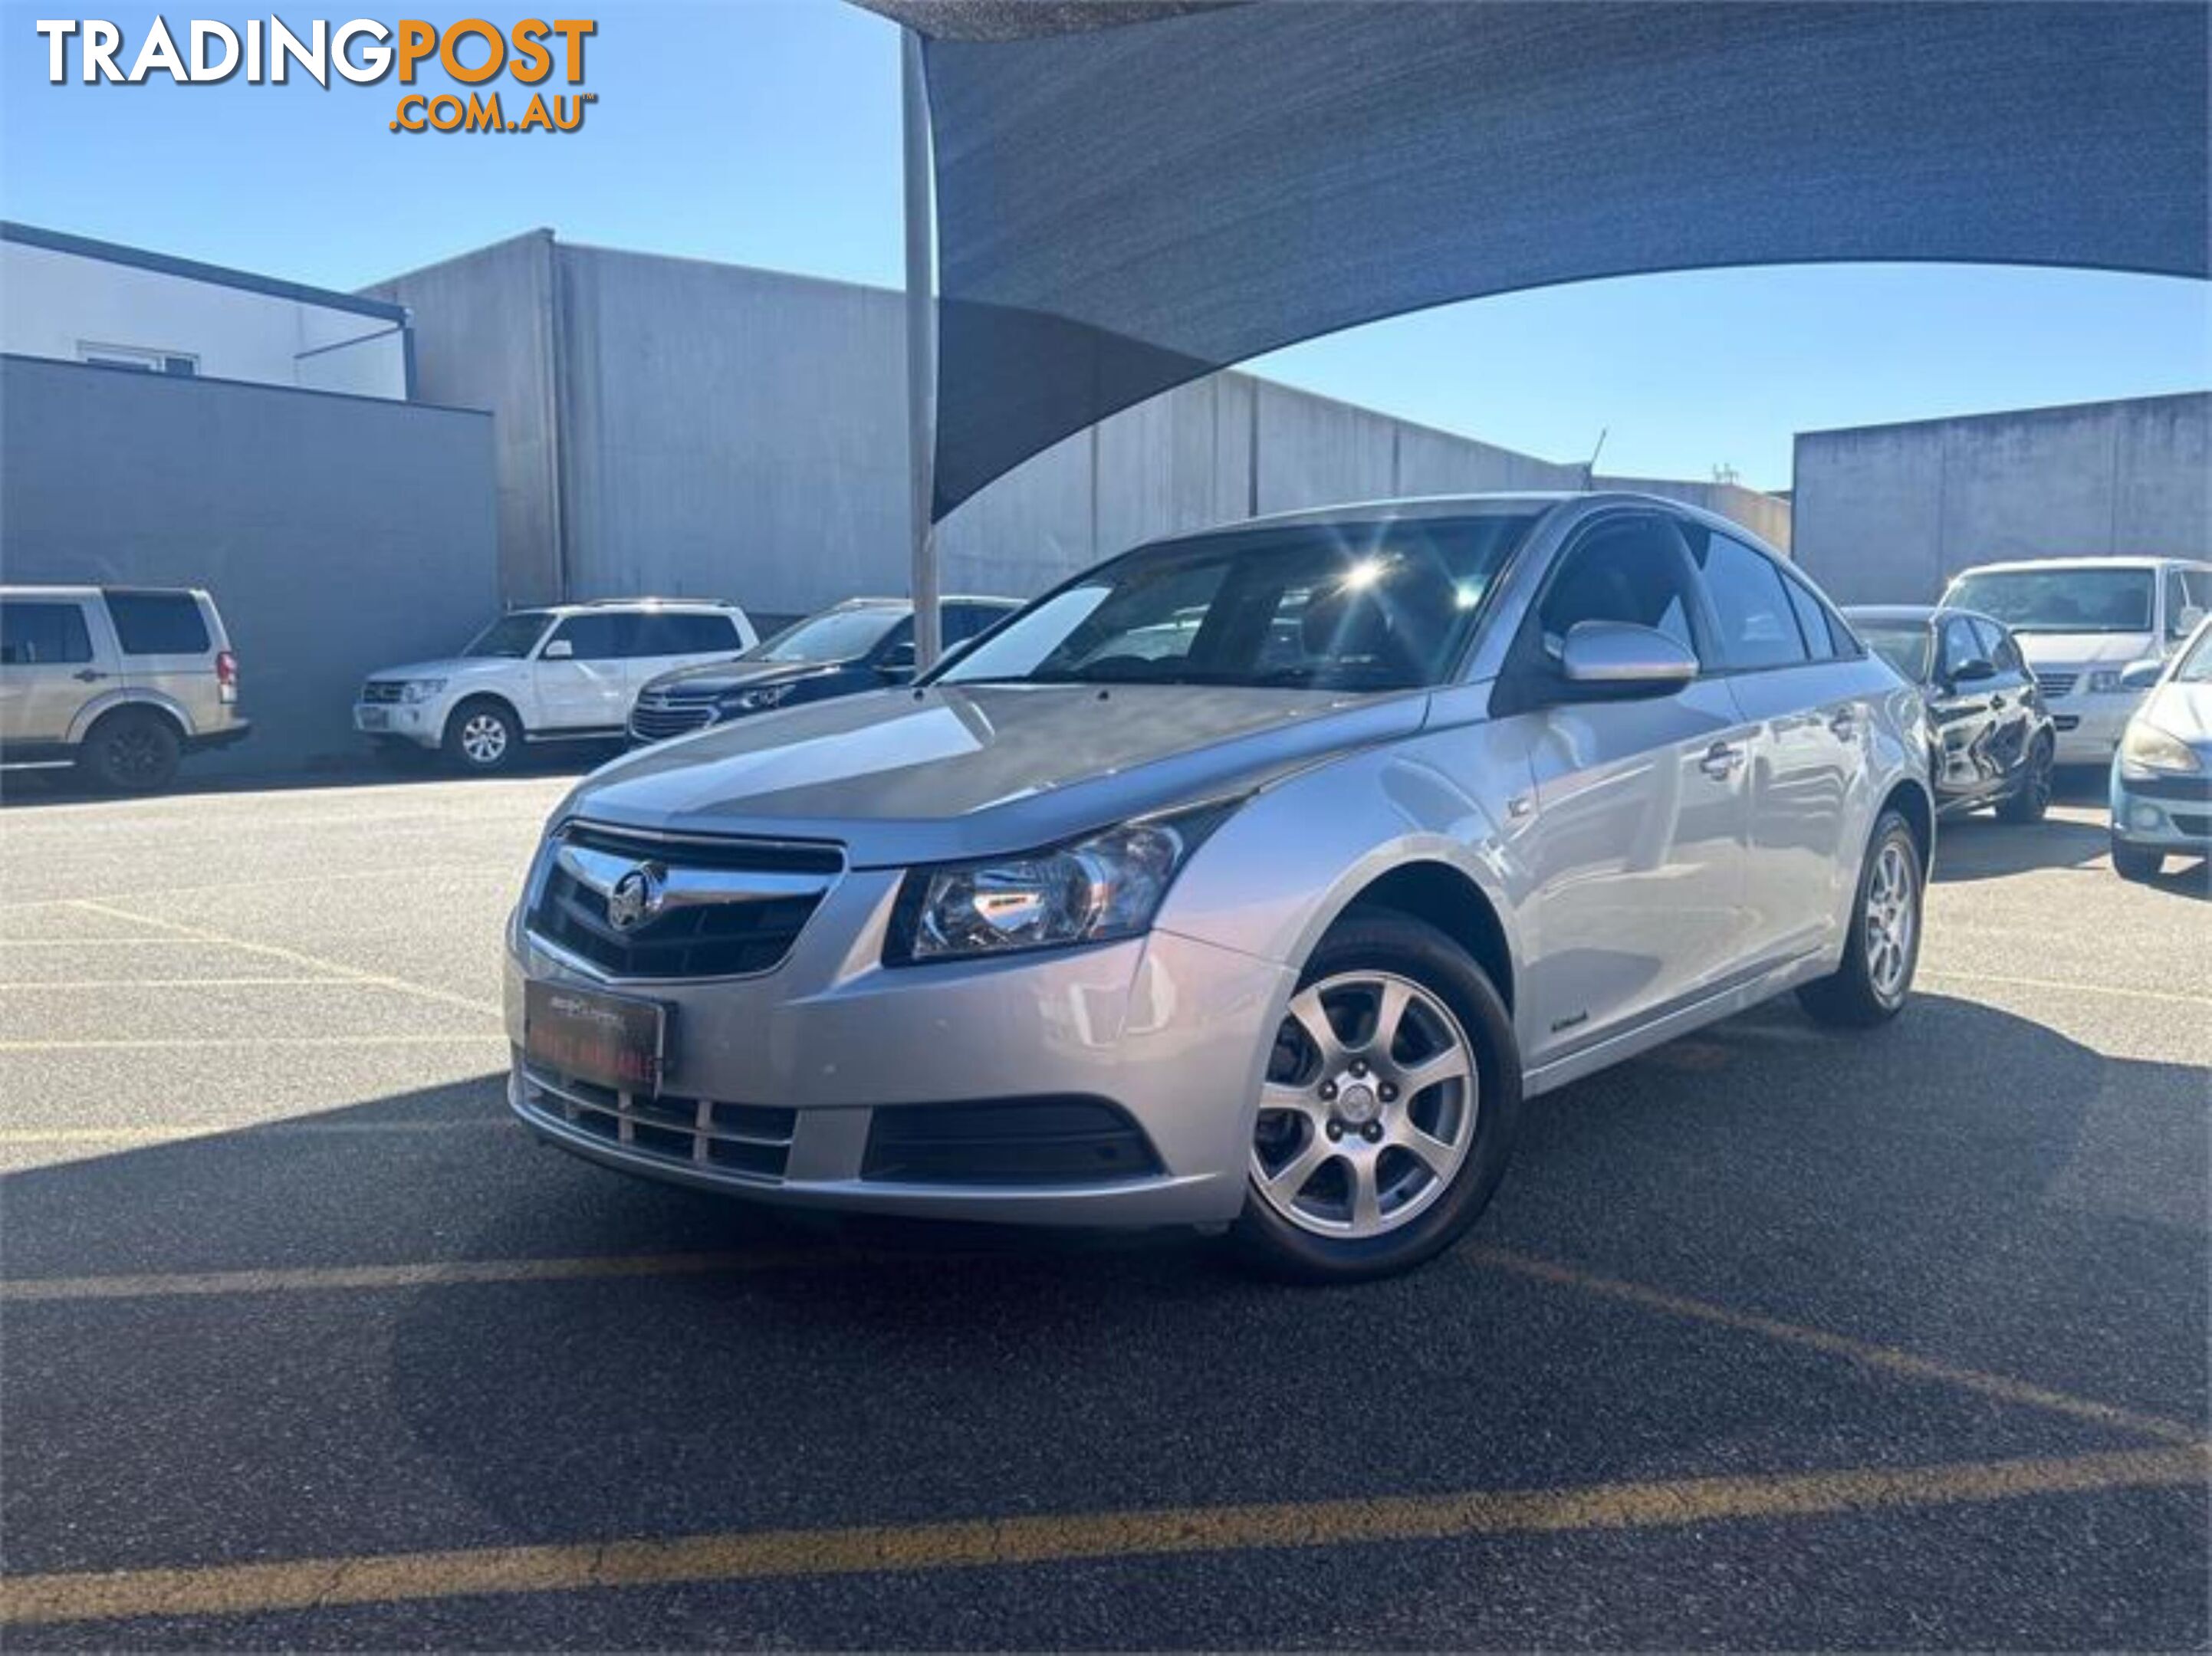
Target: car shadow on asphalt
(25, 790)
(1965, 1183)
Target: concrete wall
(1767, 516)
(338, 534)
(485, 339)
(55, 304)
(1891, 513)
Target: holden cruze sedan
(1252, 878)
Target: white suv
(2082, 622)
(564, 671)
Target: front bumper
(2163, 813)
(420, 722)
(1171, 1033)
(2088, 728)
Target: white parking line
(190, 1043)
(75, 984)
(412, 874)
(2167, 996)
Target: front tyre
(1883, 950)
(2136, 864)
(482, 737)
(2032, 797)
(1388, 1112)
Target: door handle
(87, 675)
(1721, 760)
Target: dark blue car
(862, 644)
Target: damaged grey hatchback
(1252, 878)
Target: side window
(42, 634)
(1628, 572)
(665, 634)
(899, 641)
(1998, 646)
(1812, 621)
(597, 637)
(1757, 624)
(158, 623)
(1960, 646)
(2188, 596)
(963, 621)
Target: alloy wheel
(137, 754)
(484, 738)
(1893, 916)
(1368, 1108)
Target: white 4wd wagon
(564, 671)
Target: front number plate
(611, 1040)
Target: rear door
(1643, 807)
(2012, 703)
(667, 639)
(1779, 650)
(1965, 709)
(168, 650)
(590, 689)
(47, 668)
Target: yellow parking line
(77, 984)
(1888, 1358)
(177, 1135)
(447, 1274)
(321, 1583)
(188, 1043)
(292, 954)
(414, 876)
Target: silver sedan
(1252, 879)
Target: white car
(2162, 775)
(561, 672)
(2082, 622)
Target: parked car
(558, 673)
(2162, 773)
(1271, 919)
(119, 681)
(1993, 738)
(2081, 622)
(863, 644)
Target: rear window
(39, 633)
(661, 634)
(158, 623)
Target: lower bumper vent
(751, 1139)
(1033, 1141)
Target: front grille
(1028, 1141)
(744, 903)
(382, 689)
(2197, 827)
(2054, 685)
(2186, 788)
(751, 1140)
(662, 714)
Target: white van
(2081, 622)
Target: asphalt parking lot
(1774, 1337)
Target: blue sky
(766, 132)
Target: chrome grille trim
(749, 1141)
(382, 690)
(660, 714)
(2054, 685)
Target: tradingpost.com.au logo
(93, 52)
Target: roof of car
(2142, 561)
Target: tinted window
(1630, 572)
(158, 623)
(1959, 645)
(1997, 646)
(598, 637)
(511, 637)
(1751, 600)
(963, 621)
(35, 635)
(663, 634)
(1820, 640)
(1906, 645)
(839, 635)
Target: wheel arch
(505, 703)
(94, 715)
(1911, 800)
(1439, 895)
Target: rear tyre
(1883, 950)
(2136, 863)
(1388, 1113)
(482, 737)
(2032, 797)
(133, 750)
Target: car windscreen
(1359, 606)
(2195, 667)
(2060, 600)
(833, 635)
(511, 635)
(1906, 645)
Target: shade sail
(1123, 205)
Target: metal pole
(921, 351)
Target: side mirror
(2190, 618)
(2141, 674)
(559, 650)
(1613, 659)
(1973, 671)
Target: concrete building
(673, 425)
(169, 423)
(1889, 513)
(71, 299)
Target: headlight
(2105, 681)
(1109, 885)
(421, 689)
(753, 701)
(2147, 748)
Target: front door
(1642, 805)
(588, 688)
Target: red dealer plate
(613, 1040)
